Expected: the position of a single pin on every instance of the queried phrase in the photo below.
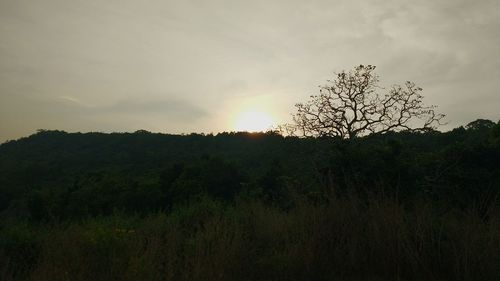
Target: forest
(251, 206)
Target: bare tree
(350, 106)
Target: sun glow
(253, 121)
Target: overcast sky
(192, 66)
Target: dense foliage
(241, 206)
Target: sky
(195, 66)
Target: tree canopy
(350, 105)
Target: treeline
(57, 175)
(251, 206)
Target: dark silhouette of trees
(480, 124)
(350, 106)
(237, 206)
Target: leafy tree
(350, 106)
(480, 124)
(210, 176)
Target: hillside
(290, 208)
(142, 167)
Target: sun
(253, 121)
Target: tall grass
(348, 238)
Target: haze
(195, 66)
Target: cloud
(74, 100)
(176, 109)
(107, 65)
(172, 108)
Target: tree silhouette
(480, 124)
(350, 106)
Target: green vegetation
(241, 206)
